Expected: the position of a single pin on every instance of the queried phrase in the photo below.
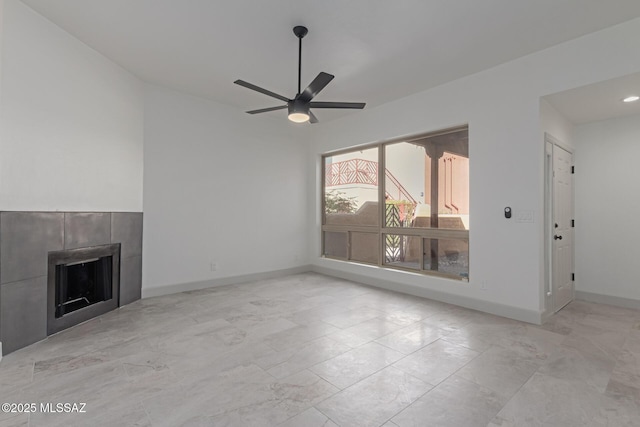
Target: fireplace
(81, 284)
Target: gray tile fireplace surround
(25, 241)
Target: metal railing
(360, 171)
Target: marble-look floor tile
(309, 418)
(289, 396)
(74, 387)
(209, 395)
(149, 367)
(306, 316)
(13, 397)
(18, 420)
(365, 332)
(245, 355)
(204, 363)
(403, 317)
(619, 388)
(412, 337)
(601, 316)
(437, 361)
(375, 400)
(246, 397)
(388, 302)
(455, 402)
(344, 289)
(530, 342)
(500, 370)
(481, 336)
(451, 320)
(621, 406)
(63, 364)
(303, 357)
(16, 370)
(133, 415)
(354, 365)
(553, 402)
(270, 327)
(572, 364)
(85, 338)
(353, 317)
(627, 368)
(608, 342)
(418, 310)
(293, 337)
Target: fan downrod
(300, 31)
(299, 106)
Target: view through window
(423, 224)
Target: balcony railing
(360, 171)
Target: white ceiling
(600, 101)
(379, 50)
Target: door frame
(550, 142)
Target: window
(423, 224)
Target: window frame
(381, 229)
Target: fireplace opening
(82, 283)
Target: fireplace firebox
(82, 283)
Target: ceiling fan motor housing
(298, 107)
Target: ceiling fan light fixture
(298, 112)
(298, 117)
(300, 106)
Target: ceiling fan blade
(312, 118)
(315, 87)
(356, 105)
(264, 110)
(261, 90)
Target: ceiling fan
(299, 106)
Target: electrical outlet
(213, 266)
(483, 285)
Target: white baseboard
(546, 315)
(223, 281)
(529, 316)
(524, 315)
(608, 299)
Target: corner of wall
(555, 123)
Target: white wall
(607, 184)
(222, 186)
(72, 122)
(555, 124)
(1, 44)
(502, 107)
(1, 136)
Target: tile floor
(310, 350)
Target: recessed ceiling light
(633, 98)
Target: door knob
(556, 237)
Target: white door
(562, 228)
